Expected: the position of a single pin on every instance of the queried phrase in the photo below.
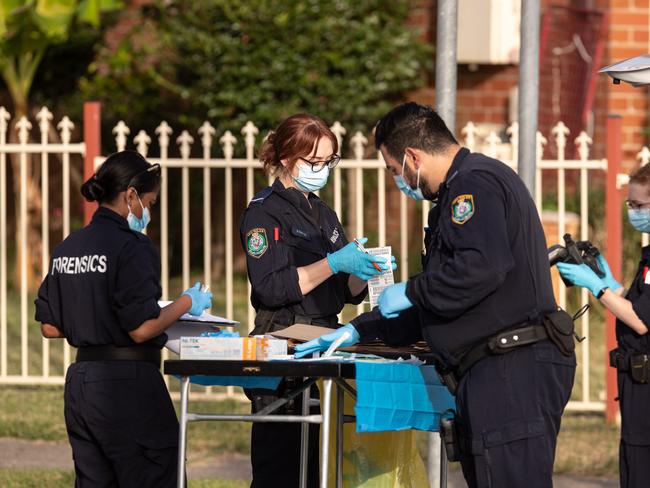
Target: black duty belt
(635, 363)
(114, 353)
(499, 344)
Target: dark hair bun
(92, 190)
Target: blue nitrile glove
(349, 259)
(609, 280)
(393, 263)
(393, 300)
(200, 299)
(582, 275)
(326, 340)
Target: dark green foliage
(262, 60)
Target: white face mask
(404, 187)
(309, 180)
(639, 218)
(135, 223)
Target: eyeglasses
(331, 163)
(634, 205)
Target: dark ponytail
(120, 171)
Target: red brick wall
(483, 94)
(628, 36)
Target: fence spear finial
(358, 142)
(5, 116)
(560, 131)
(339, 131)
(23, 126)
(142, 141)
(249, 131)
(207, 132)
(185, 140)
(228, 141)
(121, 130)
(583, 141)
(65, 126)
(44, 116)
(163, 131)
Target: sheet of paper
(376, 284)
(204, 317)
(185, 329)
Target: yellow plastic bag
(374, 459)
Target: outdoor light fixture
(635, 71)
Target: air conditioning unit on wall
(488, 31)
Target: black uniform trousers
(121, 425)
(634, 450)
(276, 447)
(509, 412)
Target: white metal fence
(348, 196)
(30, 155)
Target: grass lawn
(51, 478)
(587, 446)
(36, 478)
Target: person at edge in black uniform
(632, 312)
(301, 269)
(101, 294)
(485, 272)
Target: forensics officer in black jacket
(632, 311)
(101, 294)
(301, 269)
(485, 273)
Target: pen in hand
(363, 249)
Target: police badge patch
(462, 209)
(256, 242)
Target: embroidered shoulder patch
(462, 209)
(256, 242)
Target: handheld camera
(575, 253)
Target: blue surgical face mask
(308, 180)
(404, 187)
(639, 218)
(138, 224)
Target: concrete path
(23, 454)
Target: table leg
(339, 436)
(182, 431)
(326, 405)
(443, 465)
(304, 439)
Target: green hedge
(261, 60)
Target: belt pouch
(639, 368)
(560, 329)
(615, 358)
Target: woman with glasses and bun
(631, 357)
(101, 294)
(302, 269)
